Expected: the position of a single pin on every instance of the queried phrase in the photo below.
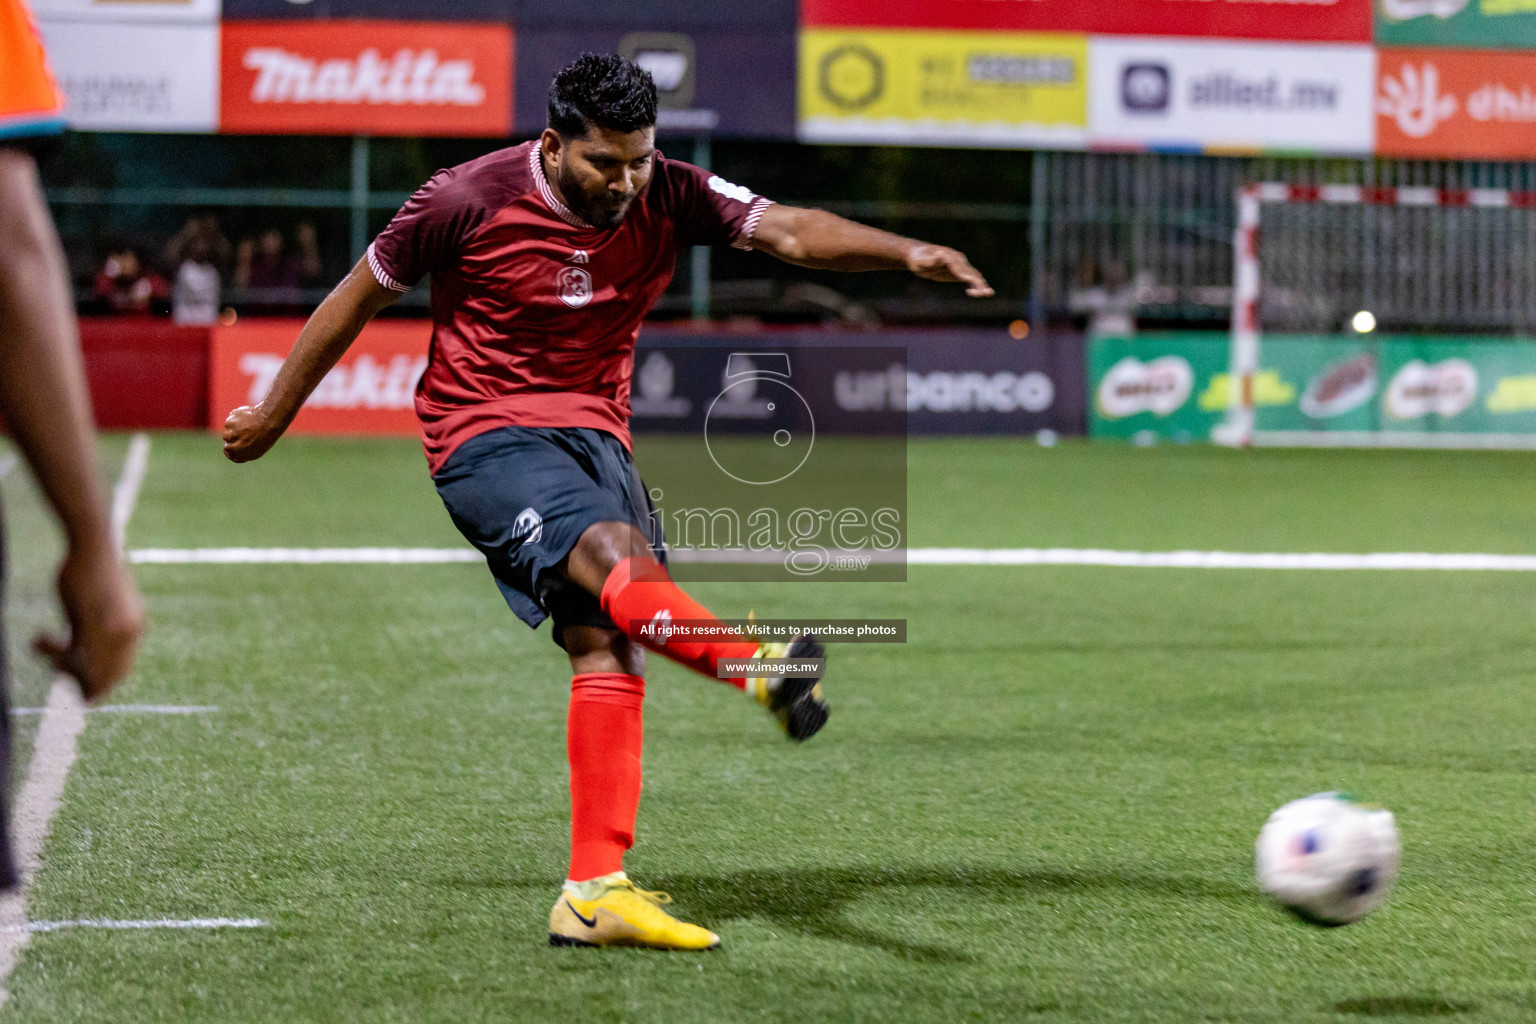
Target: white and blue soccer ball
(1328, 859)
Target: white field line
(126, 494)
(53, 753)
(100, 922)
(1388, 560)
(134, 709)
(7, 463)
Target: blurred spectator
(125, 285)
(195, 296)
(1110, 302)
(199, 251)
(202, 228)
(267, 266)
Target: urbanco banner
(136, 78)
(1302, 20)
(1490, 24)
(943, 88)
(370, 391)
(957, 381)
(367, 78)
(1202, 95)
(1456, 103)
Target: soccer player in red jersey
(545, 258)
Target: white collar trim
(536, 165)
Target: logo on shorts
(528, 526)
(575, 287)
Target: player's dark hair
(602, 89)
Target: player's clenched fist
(941, 263)
(248, 435)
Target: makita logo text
(409, 77)
(361, 383)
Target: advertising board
(1203, 95)
(186, 11)
(1377, 390)
(1489, 24)
(699, 75)
(943, 88)
(676, 15)
(958, 381)
(136, 77)
(1305, 20)
(371, 391)
(366, 77)
(1456, 103)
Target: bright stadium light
(1364, 322)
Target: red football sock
(603, 740)
(638, 591)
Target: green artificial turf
(1040, 808)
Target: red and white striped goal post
(1238, 429)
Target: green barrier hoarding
(1380, 389)
(1476, 24)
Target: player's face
(600, 176)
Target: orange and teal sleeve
(30, 101)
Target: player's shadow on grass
(1404, 1006)
(812, 901)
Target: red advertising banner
(1456, 103)
(371, 391)
(365, 77)
(1302, 20)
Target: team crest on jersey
(528, 526)
(575, 287)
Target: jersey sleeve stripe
(382, 275)
(743, 238)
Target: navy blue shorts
(524, 496)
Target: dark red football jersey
(534, 312)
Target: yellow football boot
(796, 703)
(610, 911)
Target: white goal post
(1444, 252)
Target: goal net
(1395, 317)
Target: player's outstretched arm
(825, 241)
(252, 430)
(43, 399)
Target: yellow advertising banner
(944, 88)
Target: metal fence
(1163, 224)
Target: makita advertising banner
(1204, 95)
(1376, 390)
(371, 391)
(136, 78)
(727, 82)
(1456, 103)
(366, 78)
(1487, 24)
(1310, 20)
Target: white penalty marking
(54, 751)
(31, 927)
(133, 709)
(1398, 561)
